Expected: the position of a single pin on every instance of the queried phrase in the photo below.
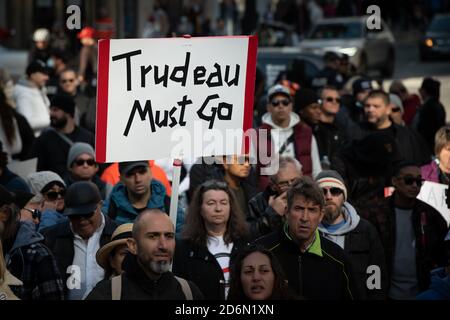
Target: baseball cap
(81, 198)
(278, 89)
(127, 166)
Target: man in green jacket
(315, 267)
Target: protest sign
(434, 194)
(150, 88)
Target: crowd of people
(325, 226)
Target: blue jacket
(439, 288)
(119, 208)
(50, 218)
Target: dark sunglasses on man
(63, 81)
(81, 162)
(53, 195)
(333, 190)
(331, 99)
(395, 109)
(284, 102)
(410, 180)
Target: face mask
(50, 63)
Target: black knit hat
(305, 97)
(65, 103)
(36, 66)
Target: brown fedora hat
(119, 237)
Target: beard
(58, 123)
(160, 267)
(332, 212)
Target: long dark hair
(194, 228)
(280, 290)
(7, 116)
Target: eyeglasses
(80, 162)
(35, 213)
(334, 191)
(288, 183)
(410, 180)
(53, 195)
(67, 80)
(395, 109)
(284, 102)
(79, 216)
(331, 99)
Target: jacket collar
(314, 248)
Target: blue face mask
(50, 63)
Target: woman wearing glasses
(50, 189)
(214, 231)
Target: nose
(218, 207)
(162, 243)
(256, 276)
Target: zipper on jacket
(300, 280)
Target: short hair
(307, 188)
(283, 162)
(68, 70)
(137, 221)
(403, 164)
(280, 289)
(379, 94)
(441, 138)
(327, 87)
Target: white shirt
(222, 253)
(84, 258)
(279, 135)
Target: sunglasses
(67, 80)
(334, 191)
(80, 162)
(35, 213)
(284, 102)
(410, 180)
(288, 183)
(331, 99)
(395, 109)
(53, 195)
(79, 216)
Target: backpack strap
(116, 287)
(185, 287)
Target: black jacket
(430, 117)
(263, 219)
(321, 273)
(137, 286)
(329, 139)
(430, 230)
(409, 143)
(198, 265)
(59, 239)
(51, 150)
(364, 248)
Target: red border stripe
(102, 100)
(250, 88)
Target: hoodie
(120, 209)
(33, 104)
(281, 135)
(32, 262)
(337, 233)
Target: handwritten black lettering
(183, 70)
(127, 56)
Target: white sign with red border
(148, 88)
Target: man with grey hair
(147, 274)
(267, 208)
